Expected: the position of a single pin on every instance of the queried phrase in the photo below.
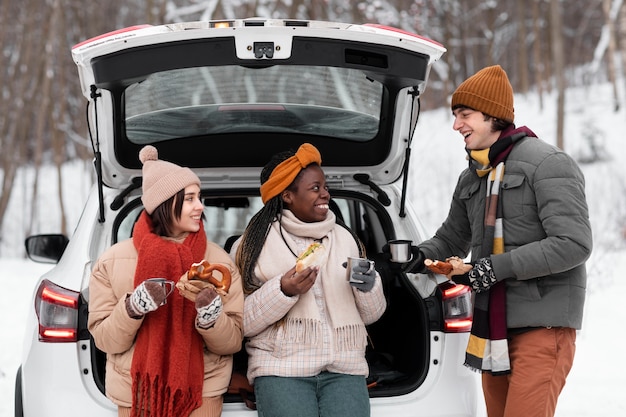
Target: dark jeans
(324, 395)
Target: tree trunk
(610, 57)
(556, 27)
(19, 91)
(44, 108)
(621, 38)
(538, 64)
(521, 48)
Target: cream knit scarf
(303, 322)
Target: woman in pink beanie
(165, 357)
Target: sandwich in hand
(311, 256)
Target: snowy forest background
(546, 46)
(566, 60)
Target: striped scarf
(487, 348)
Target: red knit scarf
(168, 362)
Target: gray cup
(167, 285)
(352, 262)
(400, 250)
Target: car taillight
(457, 307)
(57, 312)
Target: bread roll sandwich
(311, 256)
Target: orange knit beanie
(162, 179)
(488, 91)
(286, 171)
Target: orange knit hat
(162, 179)
(488, 91)
(286, 171)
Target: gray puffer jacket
(547, 234)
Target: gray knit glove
(482, 277)
(362, 277)
(209, 308)
(147, 297)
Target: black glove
(482, 277)
(415, 265)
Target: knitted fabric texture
(162, 179)
(488, 91)
(168, 363)
(487, 348)
(286, 171)
(302, 324)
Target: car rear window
(228, 216)
(335, 102)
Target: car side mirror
(46, 249)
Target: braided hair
(253, 238)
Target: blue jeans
(324, 395)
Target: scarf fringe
(298, 330)
(482, 371)
(308, 332)
(155, 399)
(351, 337)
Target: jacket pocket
(513, 193)
(467, 191)
(523, 290)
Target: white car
(221, 97)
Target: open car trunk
(398, 350)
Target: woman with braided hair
(305, 330)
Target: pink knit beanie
(162, 179)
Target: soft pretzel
(200, 276)
(191, 289)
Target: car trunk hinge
(96, 152)
(118, 201)
(415, 111)
(381, 196)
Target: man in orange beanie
(519, 208)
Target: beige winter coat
(114, 331)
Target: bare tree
(621, 30)
(522, 51)
(556, 26)
(538, 65)
(42, 113)
(610, 15)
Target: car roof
(222, 97)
